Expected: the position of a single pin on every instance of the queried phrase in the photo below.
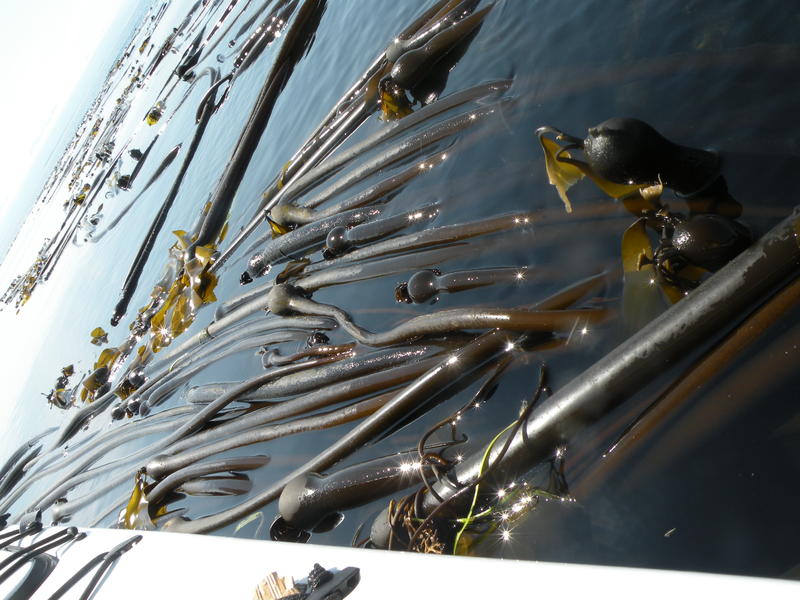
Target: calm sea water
(709, 75)
(70, 118)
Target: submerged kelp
(421, 311)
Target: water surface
(707, 75)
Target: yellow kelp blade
(94, 382)
(643, 199)
(204, 254)
(689, 273)
(644, 291)
(282, 175)
(636, 247)
(187, 294)
(222, 233)
(107, 358)
(99, 336)
(160, 324)
(394, 107)
(293, 269)
(276, 228)
(641, 295)
(615, 190)
(180, 313)
(560, 174)
(372, 89)
(135, 514)
(125, 389)
(194, 302)
(183, 239)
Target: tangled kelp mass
(344, 285)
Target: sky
(46, 47)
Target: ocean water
(713, 486)
(66, 123)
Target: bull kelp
(476, 278)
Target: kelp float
(340, 217)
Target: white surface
(174, 565)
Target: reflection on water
(419, 181)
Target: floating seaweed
(344, 344)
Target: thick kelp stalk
(731, 292)
(430, 314)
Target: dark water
(714, 487)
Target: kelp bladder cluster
(472, 321)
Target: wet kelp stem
(713, 307)
(459, 364)
(297, 39)
(132, 280)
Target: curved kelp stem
(312, 176)
(375, 67)
(59, 458)
(448, 371)
(712, 307)
(14, 474)
(295, 43)
(407, 147)
(209, 411)
(80, 417)
(132, 280)
(333, 163)
(59, 243)
(140, 162)
(317, 145)
(323, 397)
(230, 323)
(162, 387)
(424, 286)
(413, 65)
(287, 215)
(166, 464)
(438, 236)
(75, 464)
(231, 484)
(193, 350)
(285, 299)
(161, 466)
(308, 380)
(458, 365)
(383, 267)
(256, 293)
(77, 475)
(6, 473)
(166, 485)
(443, 18)
(245, 27)
(268, 30)
(96, 237)
(308, 236)
(204, 51)
(340, 240)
